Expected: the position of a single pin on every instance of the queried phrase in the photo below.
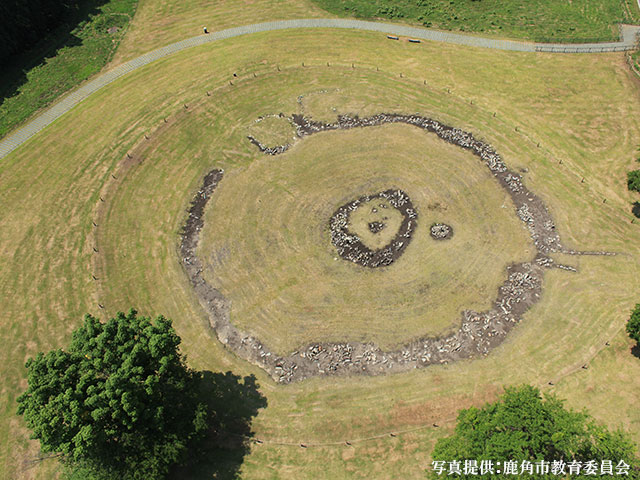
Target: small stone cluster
(350, 246)
(441, 231)
(376, 227)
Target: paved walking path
(18, 137)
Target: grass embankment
(583, 110)
(72, 53)
(542, 20)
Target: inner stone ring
(350, 246)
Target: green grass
(582, 109)
(540, 20)
(27, 88)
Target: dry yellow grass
(583, 110)
(273, 258)
(160, 22)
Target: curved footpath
(629, 36)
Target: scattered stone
(376, 227)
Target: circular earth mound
(358, 227)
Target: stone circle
(479, 332)
(351, 247)
(441, 231)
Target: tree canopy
(633, 180)
(119, 403)
(523, 426)
(633, 325)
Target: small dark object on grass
(414, 40)
(392, 434)
(94, 224)
(205, 29)
(303, 445)
(550, 383)
(348, 444)
(585, 366)
(392, 37)
(436, 425)
(235, 74)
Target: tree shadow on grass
(635, 350)
(235, 401)
(15, 68)
(636, 209)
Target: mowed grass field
(273, 257)
(583, 110)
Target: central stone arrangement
(374, 230)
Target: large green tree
(528, 429)
(119, 403)
(633, 325)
